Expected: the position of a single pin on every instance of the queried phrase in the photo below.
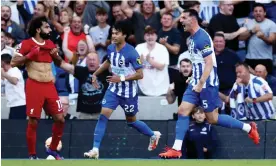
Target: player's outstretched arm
(18, 60)
(102, 68)
(67, 67)
(137, 76)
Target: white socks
(177, 144)
(246, 127)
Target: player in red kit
(35, 53)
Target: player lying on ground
(40, 88)
(127, 69)
(203, 88)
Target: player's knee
(183, 111)
(32, 120)
(59, 118)
(212, 120)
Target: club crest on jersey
(121, 62)
(139, 61)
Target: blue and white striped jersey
(125, 62)
(258, 87)
(200, 46)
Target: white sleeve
(15, 72)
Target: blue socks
(99, 130)
(182, 125)
(229, 122)
(141, 127)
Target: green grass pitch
(137, 162)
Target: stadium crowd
(242, 31)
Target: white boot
(154, 140)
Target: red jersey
(44, 53)
(73, 40)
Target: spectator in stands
(14, 88)
(89, 98)
(39, 10)
(226, 61)
(257, 93)
(5, 49)
(262, 34)
(79, 8)
(180, 83)
(64, 18)
(170, 38)
(201, 138)
(208, 9)
(118, 15)
(148, 16)
(13, 28)
(99, 33)
(155, 60)
(72, 37)
(90, 12)
(260, 71)
(3, 24)
(226, 23)
(174, 9)
(134, 5)
(10, 40)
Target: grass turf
(137, 162)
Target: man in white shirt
(155, 59)
(14, 88)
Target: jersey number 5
(205, 104)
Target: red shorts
(42, 95)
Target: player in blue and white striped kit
(126, 69)
(203, 88)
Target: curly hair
(35, 24)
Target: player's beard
(45, 36)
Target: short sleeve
(81, 73)
(21, 49)
(265, 88)
(204, 46)
(15, 72)
(135, 60)
(261, 86)
(272, 28)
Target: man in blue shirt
(126, 67)
(203, 87)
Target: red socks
(57, 131)
(31, 138)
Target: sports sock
(141, 127)
(181, 128)
(31, 138)
(57, 132)
(99, 130)
(230, 122)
